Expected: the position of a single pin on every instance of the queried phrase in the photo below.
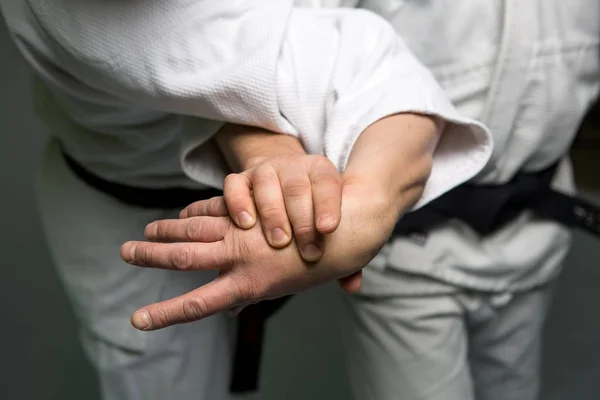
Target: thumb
(351, 284)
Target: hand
(374, 196)
(250, 270)
(294, 195)
(217, 208)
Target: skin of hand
(294, 194)
(385, 176)
(250, 270)
(378, 155)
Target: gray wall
(39, 353)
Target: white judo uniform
(133, 90)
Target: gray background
(39, 353)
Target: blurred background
(40, 358)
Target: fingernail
(311, 252)
(279, 237)
(132, 253)
(151, 231)
(325, 221)
(127, 255)
(141, 320)
(245, 220)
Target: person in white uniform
(116, 79)
(133, 91)
(451, 313)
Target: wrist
(264, 146)
(393, 158)
(245, 147)
(372, 201)
(366, 225)
(267, 154)
(401, 189)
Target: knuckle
(327, 178)
(323, 167)
(193, 210)
(216, 206)
(296, 187)
(161, 229)
(323, 162)
(271, 213)
(145, 254)
(231, 179)
(242, 250)
(237, 200)
(161, 317)
(194, 309)
(182, 258)
(303, 230)
(193, 230)
(264, 173)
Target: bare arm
(386, 173)
(392, 159)
(245, 147)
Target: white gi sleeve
(322, 75)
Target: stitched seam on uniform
(459, 69)
(551, 49)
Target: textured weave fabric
(324, 75)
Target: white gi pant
(446, 343)
(452, 344)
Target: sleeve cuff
(200, 159)
(464, 149)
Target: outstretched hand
(250, 270)
(374, 195)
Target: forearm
(244, 147)
(392, 159)
(385, 176)
(322, 75)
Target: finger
(176, 256)
(326, 184)
(213, 207)
(216, 296)
(351, 284)
(297, 193)
(192, 229)
(236, 190)
(271, 207)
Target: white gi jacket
(118, 75)
(529, 70)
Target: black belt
(486, 208)
(251, 320)
(483, 208)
